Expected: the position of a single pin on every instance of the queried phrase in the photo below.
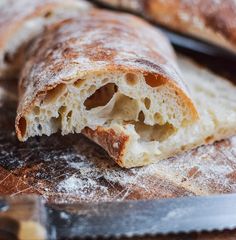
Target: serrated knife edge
(152, 217)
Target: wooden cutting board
(71, 168)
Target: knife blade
(139, 218)
(115, 219)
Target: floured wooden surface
(71, 168)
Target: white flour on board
(198, 171)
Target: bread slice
(216, 102)
(214, 21)
(112, 76)
(21, 21)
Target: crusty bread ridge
(21, 21)
(96, 72)
(214, 21)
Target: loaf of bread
(22, 20)
(112, 77)
(211, 20)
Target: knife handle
(22, 218)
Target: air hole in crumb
(125, 108)
(78, 83)
(22, 126)
(154, 133)
(7, 58)
(48, 14)
(36, 110)
(141, 117)
(209, 139)
(53, 94)
(147, 103)
(154, 80)
(69, 114)
(56, 122)
(183, 148)
(158, 118)
(39, 127)
(131, 78)
(101, 96)
(62, 110)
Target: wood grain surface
(71, 168)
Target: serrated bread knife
(27, 217)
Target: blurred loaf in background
(22, 21)
(210, 20)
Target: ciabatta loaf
(111, 76)
(211, 20)
(22, 20)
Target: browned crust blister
(214, 21)
(98, 42)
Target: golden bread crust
(113, 142)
